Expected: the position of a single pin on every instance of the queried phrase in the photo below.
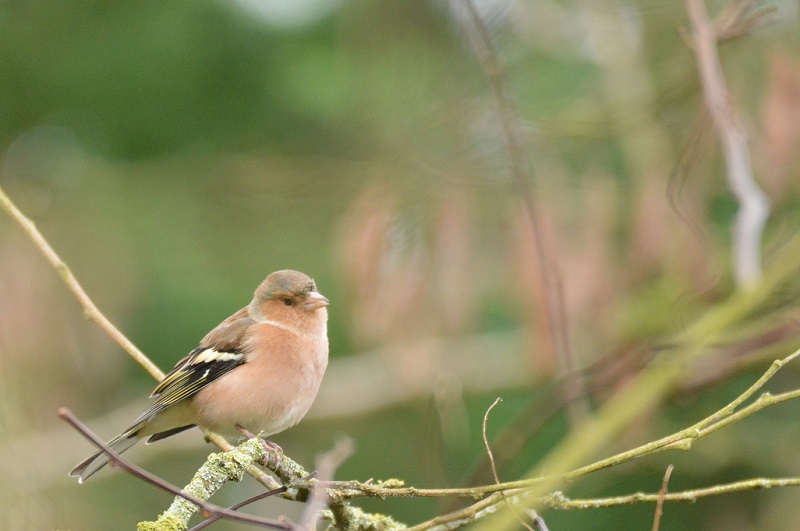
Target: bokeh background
(174, 153)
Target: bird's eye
(288, 302)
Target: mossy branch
(218, 469)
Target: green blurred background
(174, 153)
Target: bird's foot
(273, 451)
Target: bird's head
(290, 297)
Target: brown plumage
(260, 368)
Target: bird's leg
(244, 431)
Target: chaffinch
(260, 369)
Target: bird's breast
(272, 391)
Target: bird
(259, 369)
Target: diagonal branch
(90, 310)
(208, 508)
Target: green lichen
(165, 522)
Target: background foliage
(174, 153)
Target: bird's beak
(315, 301)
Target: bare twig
(491, 461)
(462, 517)
(207, 508)
(683, 439)
(661, 495)
(560, 502)
(753, 203)
(90, 310)
(486, 440)
(494, 68)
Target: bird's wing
(221, 351)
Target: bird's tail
(89, 466)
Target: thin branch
(208, 508)
(208, 521)
(90, 310)
(558, 501)
(486, 440)
(491, 460)
(661, 495)
(561, 502)
(648, 388)
(753, 203)
(462, 517)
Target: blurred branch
(327, 464)
(494, 68)
(753, 203)
(231, 466)
(740, 18)
(90, 310)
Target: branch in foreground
(518, 491)
(648, 388)
(232, 464)
(558, 501)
